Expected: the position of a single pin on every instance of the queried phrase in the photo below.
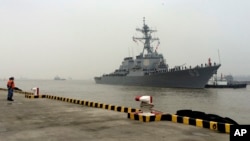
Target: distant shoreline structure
(58, 78)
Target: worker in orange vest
(10, 86)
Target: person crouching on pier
(10, 86)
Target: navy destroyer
(149, 68)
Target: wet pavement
(44, 119)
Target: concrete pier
(49, 120)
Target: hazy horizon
(83, 39)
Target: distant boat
(58, 78)
(224, 82)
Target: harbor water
(227, 102)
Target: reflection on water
(233, 103)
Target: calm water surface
(233, 103)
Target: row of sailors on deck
(152, 71)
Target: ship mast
(147, 38)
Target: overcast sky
(40, 39)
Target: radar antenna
(147, 39)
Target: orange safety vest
(11, 84)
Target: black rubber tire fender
(199, 115)
(231, 121)
(184, 112)
(216, 118)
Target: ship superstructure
(149, 68)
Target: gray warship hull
(149, 68)
(187, 78)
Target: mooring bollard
(36, 91)
(146, 106)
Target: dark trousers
(10, 93)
